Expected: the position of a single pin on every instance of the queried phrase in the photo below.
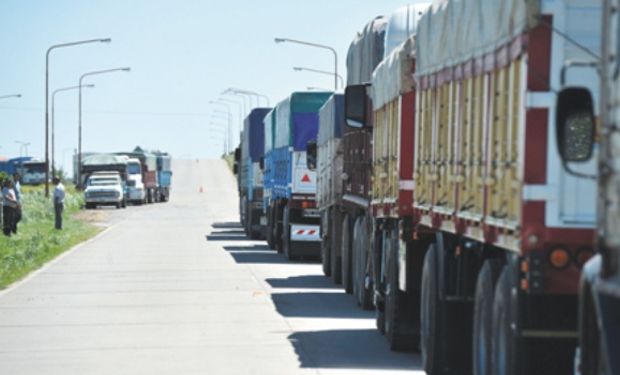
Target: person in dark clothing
(9, 206)
(59, 202)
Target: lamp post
(10, 96)
(312, 88)
(239, 107)
(80, 85)
(247, 107)
(302, 69)
(316, 45)
(247, 92)
(23, 146)
(54, 121)
(229, 115)
(47, 95)
(222, 127)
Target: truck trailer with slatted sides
(292, 219)
(250, 174)
(599, 291)
(479, 233)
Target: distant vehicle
(293, 224)
(32, 170)
(164, 175)
(104, 188)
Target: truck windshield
(133, 168)
(103, 182)
(34, 168)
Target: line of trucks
(120, 178)
(465, 186)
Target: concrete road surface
(174, 288)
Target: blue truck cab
(289, 204)
(250, 174)
(164, 175)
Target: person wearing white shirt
(9, 206)
(59, 202)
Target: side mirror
(575, 125)
(236, 168)
(261, 162)
(311, 155)
(355, 102)
(237, 154)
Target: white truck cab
(135, 186)
(104, 188)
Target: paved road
(176, 289)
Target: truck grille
(102, 194)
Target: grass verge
(37, 242)
(230, 160)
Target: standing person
(18, 196)
(9, 205)
(59, 201)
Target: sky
(182, 54)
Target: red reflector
(305, 178)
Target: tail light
(559, 258)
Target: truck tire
(430, 315)
(483, 317)
(268, 228)
(277, 234)
(286, 235)
(505, 349)
(347, 277)
(398, 331)
(325, 242)
(591, 358)
(335, 246)
(361, 241)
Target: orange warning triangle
(306, 178)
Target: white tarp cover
(452, 32)
(393, 77)
(366, 51)
(104, 159)
(402, 25)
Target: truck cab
(136, 192)
(33, 172)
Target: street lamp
(247, 107)
(312, 88)
(53, 122)
(247, 92)
(283, 40)
(229, 115)
(301, 69)
(80, 85)
(23, 146)
(240, 114)
(10, 96)
(47, 95)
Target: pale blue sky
(182, 55)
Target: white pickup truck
(105, 188)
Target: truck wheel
(430, 315)
(124, 203)
(277, 234)
(483, 317)
(335, 245)
(286, 235)
(505, 349)
(269, 228)
(347, 283)
(325, 242)
(119, 205)
(360, 262)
